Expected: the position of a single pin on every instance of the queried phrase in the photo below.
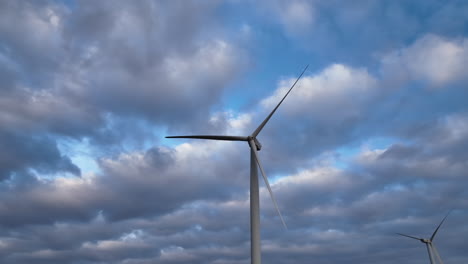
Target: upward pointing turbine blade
(409, 236)
(437, 229)
(260, 127)
(254, 149)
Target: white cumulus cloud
(432, 58)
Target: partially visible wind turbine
(434, 256)
(254, 189)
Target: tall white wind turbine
(254, 189)
(434, 256)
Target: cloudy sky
(372, 141)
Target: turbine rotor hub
(256, 142)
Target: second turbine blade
(417, 238)
(213, 137)
(254, 149)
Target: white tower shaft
(254, 211)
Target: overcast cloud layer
(372, 141)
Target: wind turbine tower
(255, 146)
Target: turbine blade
(409, 236)
(228, 138)
(437, 229)
(260, 127)
(436, 253)
(254, 149)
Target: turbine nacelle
(256, 142)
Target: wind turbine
(254, 189)
(434, 256)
